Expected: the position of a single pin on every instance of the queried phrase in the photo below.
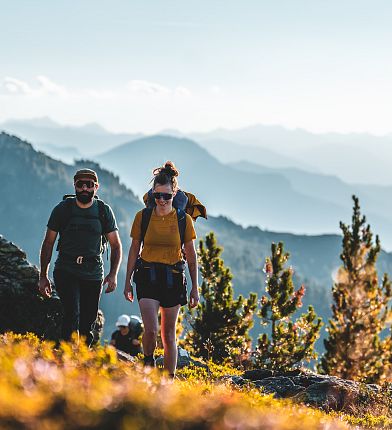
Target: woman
(159, 269)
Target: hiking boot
(149, 361)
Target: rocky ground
(321, 391)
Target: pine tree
(290, 343)
(220, 328)
(354, 347)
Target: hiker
(126, 338)
(159, 270)
(84, 224)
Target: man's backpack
(69, 201)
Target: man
(83, 222)
(126, 338)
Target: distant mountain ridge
(354, 157)
(330, 187)
(45, 133)
(275, 199)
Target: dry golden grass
(73, 387)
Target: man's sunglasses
(88, 183)
(165, 196)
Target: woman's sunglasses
(164, 196)
(80, 183)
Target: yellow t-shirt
(162, 242)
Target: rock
(22, 308)
(321, 391)
(330, 395)
(306, 381)
(258, 374)
(280, 386)
(123, 356)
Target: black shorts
(167, 296)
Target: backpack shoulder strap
(102, 214)
(181, 218)
(66, 214)
(103, 219)
(67, 204)
(146, 216)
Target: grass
(72, 387)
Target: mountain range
(284, 199)
(353, 157)
(31, 183)
(65, 142)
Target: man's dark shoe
(149, 361)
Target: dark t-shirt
(81, 237)
(124, 343)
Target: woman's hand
(194, 296)
(128, 291)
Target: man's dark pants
(80, 299)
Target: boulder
(330, 394)
(280, 386)
(22, 308)
(258, 374)
(321, 391)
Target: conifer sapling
(221, 324)
(290, 342)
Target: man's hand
(111, 280)
(194, 297)
(128, 292)
(44, 286)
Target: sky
(144, 66)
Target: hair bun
(171, 168)
(168, 169)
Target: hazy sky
(324, 65)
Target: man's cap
(86, 173)
(123, 321)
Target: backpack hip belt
(152, 268)
(80, 259)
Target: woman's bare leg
(149, 309)
(168, 332)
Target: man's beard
(84, 196)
